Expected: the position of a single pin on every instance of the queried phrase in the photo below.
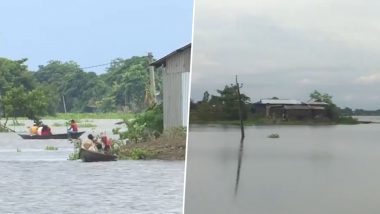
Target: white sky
(289, 48)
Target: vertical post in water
(64, 103)
(151, 78)
(242, 135)
(240, 108)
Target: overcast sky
(289, 48)
(92, 32)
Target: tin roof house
(176, 77)
(289, 109)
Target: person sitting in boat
(73, 127)
(107, 142)
(33, 129)
(98, 145)
(39, 129)
(46, 131)
(89, 144)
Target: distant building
(176, 72)
(289, 109)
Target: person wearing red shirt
(107, 142)
(46, 131)
(73, 126)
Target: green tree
(130, 82)
(206, 97)
(80, 90)
(17, 102)
(332, 109)
(15, 74)
(230, 105)
(222, 107)
(106, 104)
(319, 97)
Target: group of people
(93, 144)
(40, 129)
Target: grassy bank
(81, 116)
(171, 145)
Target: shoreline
(169, 146)
(283, 123)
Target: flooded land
(37, 180)
(307, 169)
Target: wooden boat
(90, 156)
(54, 136)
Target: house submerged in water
(290, 109)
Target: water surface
(36, 180)
(309, 169)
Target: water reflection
(309, 169)
(240, 157)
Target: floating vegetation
(87, 125)
(138, 154)
(51, 148)
(116, 130)
(274, 136)
(76, 154)
(3, 129)
(18, 150)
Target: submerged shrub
(138, 153)
(51, 148)
(274, 136)
(76, 154)
(145, 125)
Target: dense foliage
(145, 125)
(65, 87)
(224, 106)
(20, 94)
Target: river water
(309, 169)
(35, 180)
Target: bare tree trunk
(240, 156)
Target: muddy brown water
(35, 180)
(309, 169)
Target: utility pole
(151, 78)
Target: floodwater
(309, 169)
(35, 180)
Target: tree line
(225, 107)
(65, 86)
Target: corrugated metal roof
(303, 107)
(162, 61)
(317, 107)
(280, 101)
(316, 103)
(298, 107)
